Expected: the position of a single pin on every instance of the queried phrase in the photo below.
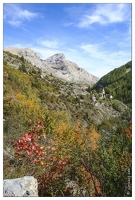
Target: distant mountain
(56, 65)
(118, 83)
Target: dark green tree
(113, 164)
(22, 59)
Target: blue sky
(95, 36)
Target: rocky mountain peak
(57, 65)
(56, 57)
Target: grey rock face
(28, 54)
(57, 65)
(20, 187)
(56, 58)
(69, 71)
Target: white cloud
(25, 14)
(68, 24)
(71, 50)
(15, 15)
(93, 51)
(105, 14)
(15, 23)
(103, 60)
(53, 44)
(97, 51)
(44, 52)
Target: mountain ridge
(118, 83)
(57, 65)
(55, 94)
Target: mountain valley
(78, 120)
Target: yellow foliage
(20, 97)
(86, 138)
(93, 137)
(31, 104)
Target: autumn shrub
(36, 147)
(53, 151)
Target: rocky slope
(57, 65)
(59, 95)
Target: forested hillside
(53, 131)
(118, 82)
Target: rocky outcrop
(68, 70)
(75, 190)
(28, 54)
(20, 187)
(57, 65)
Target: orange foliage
(128, 132)
(91, 180)
(93, 137)
(96, 185)
(87, 140)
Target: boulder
(26, 186)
